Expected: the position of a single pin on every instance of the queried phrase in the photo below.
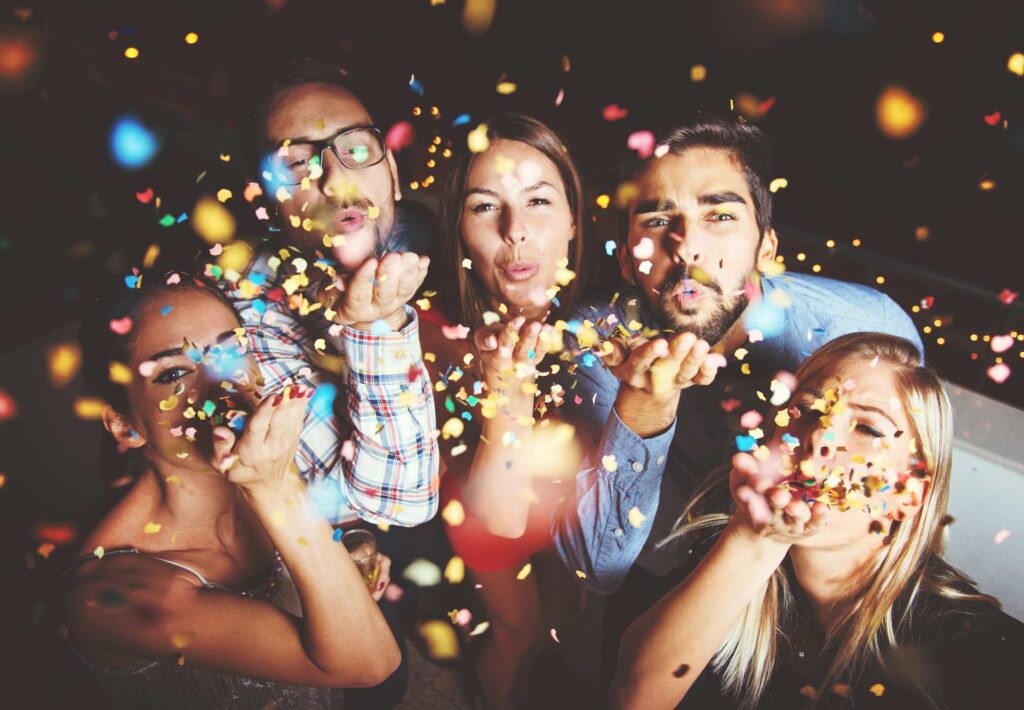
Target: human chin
(353, 249)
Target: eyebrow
(492, 193)
(174, 352)
(304, 139)
(869, 408)
(712, 198)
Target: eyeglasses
(357, 148)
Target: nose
(513, 226)
(822, 442)
(685, 244)
(336, 180)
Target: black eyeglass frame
(331, 143)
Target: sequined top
(163, 684)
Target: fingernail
(277, 400)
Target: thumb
(616, 354)
(223, 443)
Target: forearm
(686, 627)
(336, 605)
(498, 485)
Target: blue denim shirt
(594, 535)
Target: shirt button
(618, 532)
(661, 460)
(637, 466)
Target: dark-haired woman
(215, 582)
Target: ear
(121, 429)
(393, 167)
(766, 252)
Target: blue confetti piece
(131, 281)
(461, 120)
(609, 247)
(574, 326)
(337, 535)
(471, 401)
(589, 359)
(746, 443)
(259, 306)
(468, 416)
(819, 331)
(132, 145)
(532, 354)
(166, 309)
(322, 402)
(257, 279)
(765, 317)
(830, 435)
(478, 387)
(380, 327)
(182, 217)
(415, 85)
(554, 299)
(788, 438)
(237, 424)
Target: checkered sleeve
(393, 474)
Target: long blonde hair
(879, 611)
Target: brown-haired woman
(513, 259)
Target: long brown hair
(468, 301)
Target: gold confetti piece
(131, 53)
(212, 221)
(877, 690)
(223, 194)
(423, 573)
(454, 514)
(45, 550)
(778, 184)
(277, 518)
(173, 479)
(152, 528)
(478, 142)
(467, 263)
(181, 640)
(459, 450)
(581, 574)
(89, 408)
(898, 113)
(98, 552)
(1016, 63)
(490, 318)
(455, 570)
(373, 212)
(603, 201)
(452, 428)
(782, 418)
(168, 404)
(524, 572)
(636, 518)
(480, 628)
(120, 374)
(809, 691)
(841, 689)
(698, 72)
(152, 252)
(64, 361)
(663, 373)
(477, 16)
(609, 463)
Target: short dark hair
(294, 72)
(464, 296)
(748, 144)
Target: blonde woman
(825, 585)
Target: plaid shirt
(378, 459)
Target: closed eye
(869, 430)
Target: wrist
(761, 545)
(396, 321)
(645, 413)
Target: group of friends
(751, 465)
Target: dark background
(70, 222)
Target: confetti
(698, 73)
(63, 361)
(898, 113)
(1007, 296)
(524, 572)
(609, 247)
(1001, 343)
(877, 690)
(642, 142)
(422, 573)
(151, 528)
(644, 248)
(131, 52)
(998, 373)
(119, 373)
(145, 197)
(455, 332)
(439, 637)
(132, 145)
(477, 139)
(645, 267)
(1001, 536)
(399, 136)
(505, 88)
(603, 201)
(635, 517)
(614, 112)
(751, 419)
(477, 16)
(554, 635)
(1016, 63)
(121, 326)
(88, 408)
(455, 570)
(98, 552)
(778, 184)
(212, 221)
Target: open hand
(508, 353)
(766, 507)
(662, 366)
(376, 291)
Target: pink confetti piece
(642, 142)
(348, 450)
(399, 136)
(146, 368)
(455, 332)
(217, 250)
(644, 248)
(121, 326)
(715, 360)
(998, 373)
(1001, 536)
(560, 97)
(261, 213)
(393, 592)
(1001, 343)
(173, 279)
(755, 336)
(554, 635)
(1007, 296)
(145, 197)
(751, 419)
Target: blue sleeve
(899, 323)
(594, 534)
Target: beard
(372, 240)
(712, 327)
